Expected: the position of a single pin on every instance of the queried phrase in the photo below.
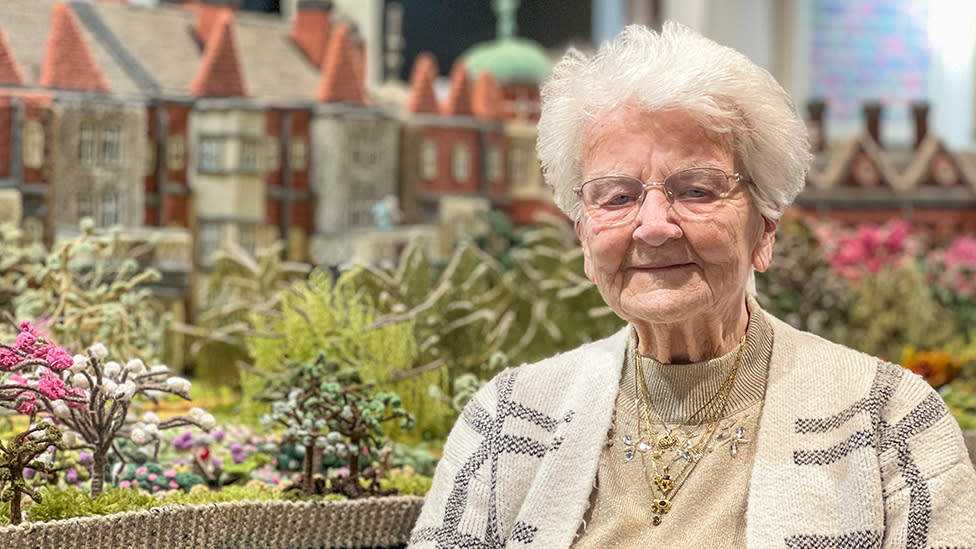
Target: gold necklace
(664, 486)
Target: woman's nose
(656, 222)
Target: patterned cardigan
(851, 452)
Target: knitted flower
(27, 406)
(25, 341)
(57, 358)
(51, 386)
(8, 358)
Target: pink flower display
(867, 249)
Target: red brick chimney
(219, 73)
(486, 100)
(459, 97)
(422, 76)
(340, 77)
(208, 16)
(310, 28)
(815, 110)
(920, 112)
(872, 120)
(68, 63)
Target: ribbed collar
(678, 390)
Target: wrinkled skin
(680, 281)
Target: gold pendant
(667, 441)
(661, 505)
(664, 483)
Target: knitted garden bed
(371, 522)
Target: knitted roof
(422, 98)
(219, 73)
(486, 100)
(68, 63)
(340, 77)
(459, 97)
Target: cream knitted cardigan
(851, 452)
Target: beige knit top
(708, 509)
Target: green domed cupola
(509, 59)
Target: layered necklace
(673, 454)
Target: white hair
(678, 69)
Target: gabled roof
(862, 148)
(9, 69)
(422, 76)
(486, 100)
(933, 162)
(219, 73)
(340, 77)
(68, 61)
(459, 97)
(310, 31)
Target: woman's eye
(694, 193)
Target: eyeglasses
(616, 199)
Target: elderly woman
(705, 422)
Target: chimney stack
(872, 119)
(310, 28)
(815, 110)
(920, 111)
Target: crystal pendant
(628, 455)
(627, 440)
(644, 446)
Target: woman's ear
(762, 253)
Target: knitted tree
(18, 454)
(329, 410)
(111, 388)
(92, 288)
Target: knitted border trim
(370, 522)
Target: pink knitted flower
(51, 386)
(25, 341)
(27, 327)
(27, 406)
(57, 358)
(8, 358)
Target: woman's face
(663, 267)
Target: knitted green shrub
(339, 319)
(892, 309)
